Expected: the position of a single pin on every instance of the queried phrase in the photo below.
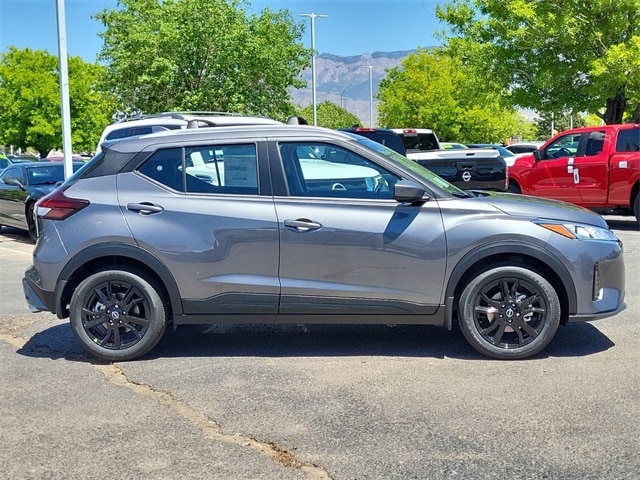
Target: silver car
(280, 223)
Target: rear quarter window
(628, 140)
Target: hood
(536, 207)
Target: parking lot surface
(318, 402)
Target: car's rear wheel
(117, 315)
(509, 313)
(636, 207)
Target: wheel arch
(102, 257)
(518, 255)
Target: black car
(21, 185)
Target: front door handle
(145, 208)
(302, 224)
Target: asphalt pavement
(317, 402)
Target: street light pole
(370, 96)
(313, 17)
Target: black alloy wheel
(509, 313)
(117, 315)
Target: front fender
(505, 251)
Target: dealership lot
(340, 402)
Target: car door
(591, 168)
(346, 246)
(203, 211)
(12, 198)
(553, 176)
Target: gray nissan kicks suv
(280, 223)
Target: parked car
(471, 169)
(21, 185)
(523, 148)
(22, 158)
(594, 167)
(134, 242)
(60, 158)
(453, 146)
(508, 156)
(159, 122)
(385, 136)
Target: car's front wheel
(509, 313)
(117, 315)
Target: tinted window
(206, 169)
(628, 140)
(419, 141)
(13, 174)
(322, 170)
(595, 144)
(46, 176)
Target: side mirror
(537, 154)
(407, 191)
(14, 182)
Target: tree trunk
(615, 109)
(636, 115)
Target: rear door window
(229, 169)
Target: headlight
(579, 231)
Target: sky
(353, 27)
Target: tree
(202, 55)
(560, 123)
(554, 56)
(330, 115)
(432, 89)
(30, 114)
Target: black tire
(117, 315)
(509, 313)
(636, 207)
(514, 188)
(31, 222)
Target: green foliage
(329, 115)
(552, 56)
(560, 123)
(201, 55)
(30, 113)
(435, 90)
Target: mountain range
(345, 81)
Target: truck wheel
(514, 188)
(117, 315)
(509, 313)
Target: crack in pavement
(210, 428)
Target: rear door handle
(302, 225)
(145, 208)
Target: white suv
(146, 124)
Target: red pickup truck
(595, 167)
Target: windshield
(425, 174)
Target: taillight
(56, 206)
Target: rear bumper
(38, 300)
